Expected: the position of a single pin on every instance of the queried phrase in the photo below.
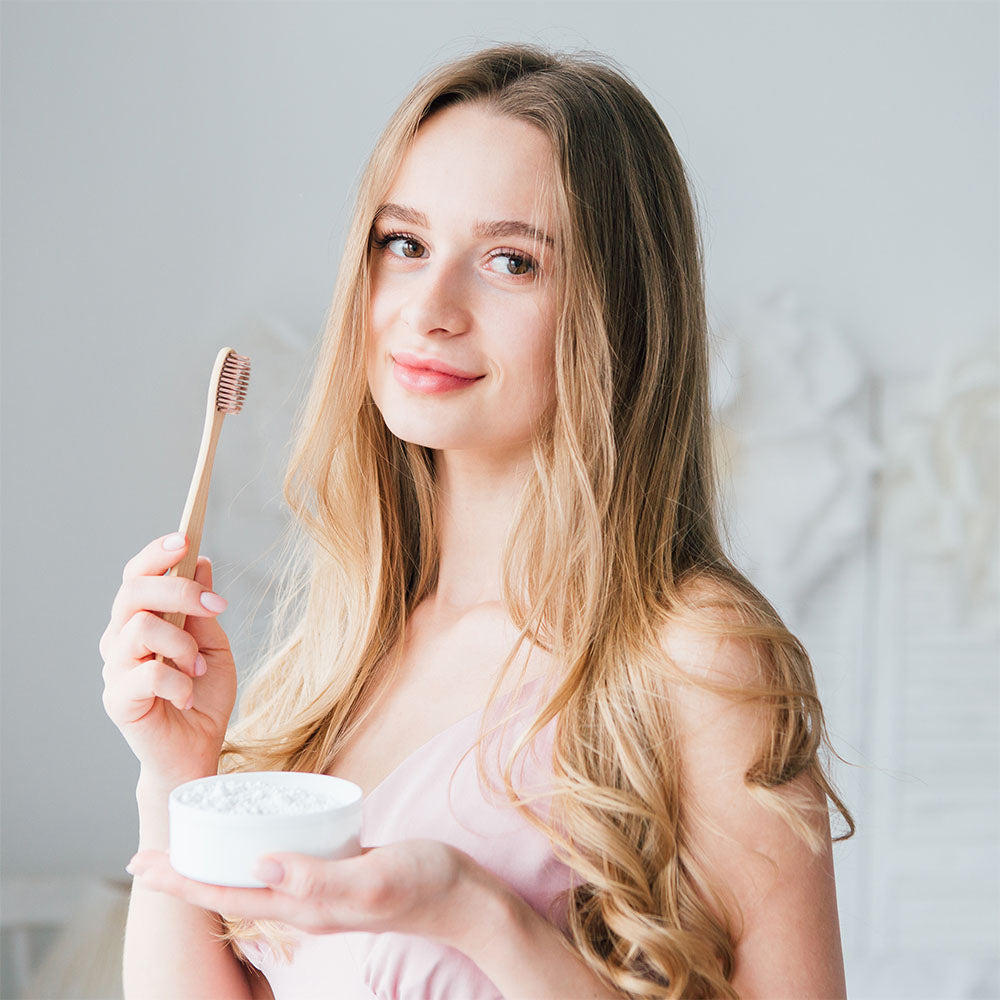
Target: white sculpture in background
(797, 457)
(941, 494)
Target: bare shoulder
(790, 946)
(717, 654)
(718, 735)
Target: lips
(419, 363)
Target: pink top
(413, 802)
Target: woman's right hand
(172, 714)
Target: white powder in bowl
(252, 798)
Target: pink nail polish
(213, 601)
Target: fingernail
(174, 542)
(190, 702)
(200, 666)
(270, 871)
(213, 601)
(130, 869)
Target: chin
(436, 437)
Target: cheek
(377, 340)
(542, 369)
(544, 349)
(379, 310)
(529, 368)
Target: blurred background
(177, 177)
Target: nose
(437, 302)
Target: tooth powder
(252, 798)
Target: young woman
(589, 746)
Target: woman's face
(461, 280)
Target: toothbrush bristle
(233, 382)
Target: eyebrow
(489, 230)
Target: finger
(207, 631)
(157, 557)
(146, 633)
(142, 860)
(304, 877)
(153, 871)
(163, 594)
(203, 572)
(130, 697)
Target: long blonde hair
(616, 535)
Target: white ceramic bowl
(306, 814)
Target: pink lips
(429, 375)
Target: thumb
(306, 877)
(293, 874)
(203, 572)
(206, 630)
(271, 871)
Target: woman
(504, 484)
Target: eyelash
(382, 243)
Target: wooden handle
(193, 518)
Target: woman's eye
(517, 263)
(410, 248)
(406, 247)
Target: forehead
(467, 160)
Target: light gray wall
(177, 177)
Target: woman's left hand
(420, 887)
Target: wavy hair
(616, 536)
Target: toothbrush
(226, 392)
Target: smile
(419, 378)
(428, 380)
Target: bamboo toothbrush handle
(193, 518)
(226, 392)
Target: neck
(477, 497)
